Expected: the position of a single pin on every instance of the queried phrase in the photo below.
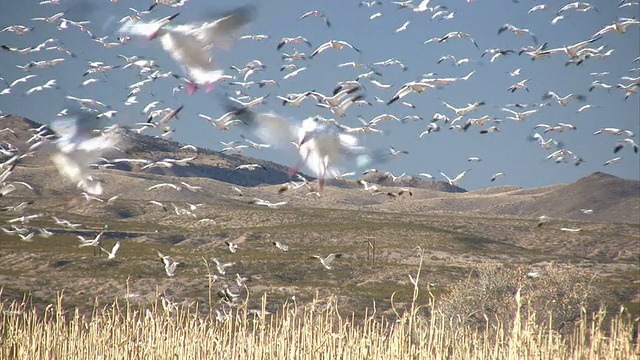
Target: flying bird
(318, 14)
(190, 44)
(326, 262)
(332, 44)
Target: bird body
(189, 44)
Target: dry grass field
(440, 273)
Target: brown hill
(612, 199)
(208, 164)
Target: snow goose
(76, 147)
(413, 86)
(455, 181)
(519, 85)
(292, 40)
(18, 29)
(570, 50)
(615, 160)
(497, 176)
(622, 143)
(190, 44)
(465, 110)
(326, 262)
(519, 116)
(578, 6)
(458, 34)
(518, 31)
(562, 100)
(332, 44)
(619, 27)
(321, 146)
(170, 265)
(614, 131)
(111, 254)
(280, 246)
(318, 14)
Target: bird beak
(304, 139)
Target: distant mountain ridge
(212, 164)
(612, 199)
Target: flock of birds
(324, 145)
(78, 140)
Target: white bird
(111, 254)
(326, 262)
(538, 8)
(173, 186)
(221, 267)
(157, 203)
(571, 230)
(294, 73)
(408, 88)
(250, 167)
(619, 27)
(403, 27)
(453, 34)
(497, 175)
(519, 116)
(170, 265)
(232, 246)
(77, 147)
(267, 203)
(332, 44)
(579, 6)
(562, 100)
(88, 197)
(191, 187)
(27, 238)
(465, 110)
(613, 161)
(623, 142)
(318, 14)
(518, 31)
(587, 211)
(292, 40)
(367, 186)
(455, 181)
(95, 242)
(380, 85)
(280, 246)
(570, 50)
(189, 44)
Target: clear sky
(508, 151)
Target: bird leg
(321, 180)
(191, 88)
(292, 170)
(209, 87)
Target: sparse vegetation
(559, 296)
(474, 298)
(317, 330)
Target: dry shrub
(555, 296)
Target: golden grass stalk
(315, 331)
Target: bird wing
(221, 32)
(268, 127)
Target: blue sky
(508, 151)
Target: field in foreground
(494, 281)
(318, 330)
